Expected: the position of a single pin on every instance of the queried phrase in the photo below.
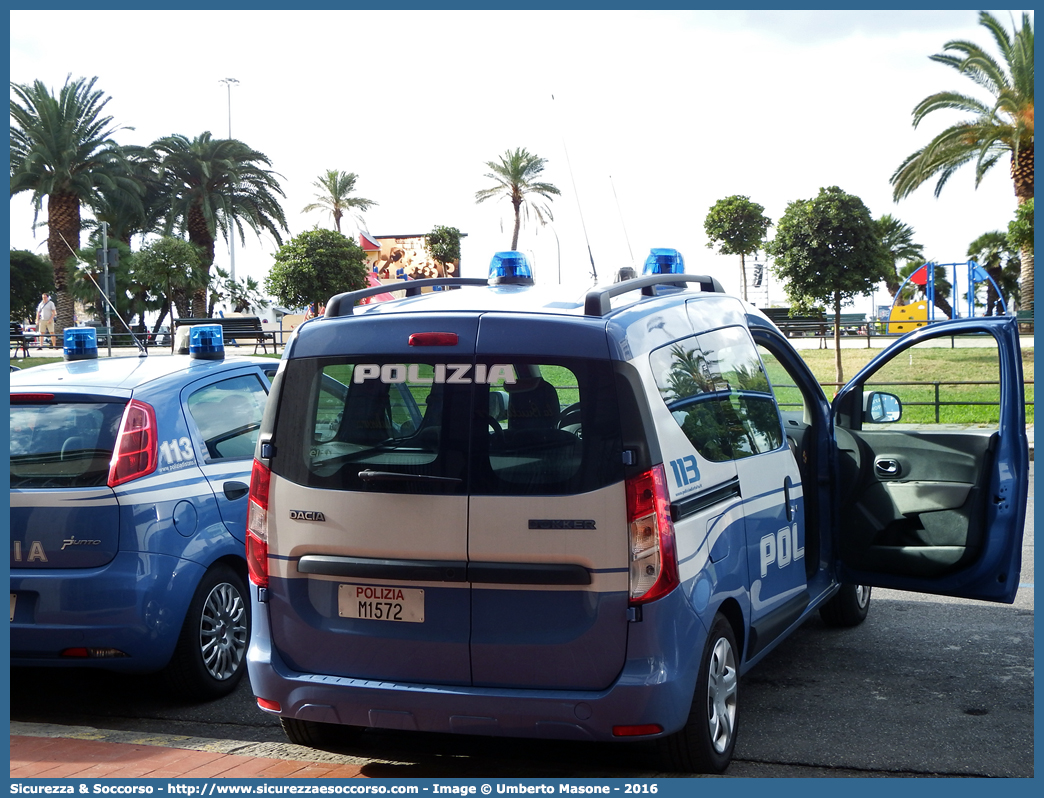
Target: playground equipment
(903, 318)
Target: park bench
(18, 339)
(851, 323)
(1025, 320)
(236, 327)
(795, 326)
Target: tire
(848, 607)
(313, 734)
(706, 742)
(210, 656)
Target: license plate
(12, 605)
(380, 603)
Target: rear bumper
(651, 689)
(135, 604)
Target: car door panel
(919, 508)
(935, 510)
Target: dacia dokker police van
(494, 511)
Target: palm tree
(137, 215)
(62, 150)
(1003, 126)
(212, 185)
(897, 239)
(994, 254)
(334, 189)
(516, 177)
(241, 295)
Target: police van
(489, 510)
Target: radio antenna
(569, 166)
(622, 225)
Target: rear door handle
(886, 467)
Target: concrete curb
(283, 751)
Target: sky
(645, 118)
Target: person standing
(45, 313)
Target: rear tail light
(257, 525)
(654, 563)
(135, 454)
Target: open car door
(927, 506)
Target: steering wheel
(569, 416)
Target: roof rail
(343, 304)
(597, 302)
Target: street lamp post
(231, 233)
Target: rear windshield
(63, 445)
(505, 427)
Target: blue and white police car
(129, 482)
(492, 511)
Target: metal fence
(937, 402)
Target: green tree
(443, 246)
(738, 226)
(212, 186)
(999, 127)
(314, 266)
(994, 253)
(334, 190)
(175, 268)
(62, 150)
(516, 177)
(1020, 229)
(31, 275)
(828, 250)
(897, 239)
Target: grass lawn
(935, 370)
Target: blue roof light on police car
(664, 260)
(80, 343)
(510, 268)
(206, 342)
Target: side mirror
(881, 408)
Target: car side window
(228, 415)
(718, 393)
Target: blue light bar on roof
(206, 342)
(80, 343)
(664, 260)
(510, 268)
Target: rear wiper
(392, 476)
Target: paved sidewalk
(41, 750)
